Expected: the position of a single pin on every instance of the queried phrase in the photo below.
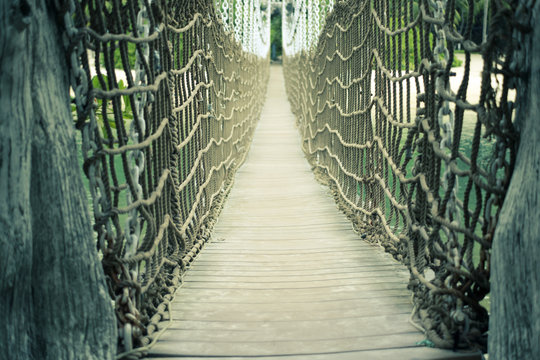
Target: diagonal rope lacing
(166, 101)
(418, 162)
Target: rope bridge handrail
(166, 101)
(418, 162)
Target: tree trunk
(514, 331)
(54, 301)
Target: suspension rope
(167, 100)
(418, 162)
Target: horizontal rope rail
(418, 158)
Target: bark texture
(54, 299)
(515, 288)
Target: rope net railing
(166, 102)
(418, 154)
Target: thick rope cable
(167, 101)
(383, 124)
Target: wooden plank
(307, 292)
(329, 257)
(293, 268)
(417, 353)
(353, 284)
(284, 273)
(198, 346)
(260, 297)
(304, 315)
(287, 274)
(267, 246)
(364, 347)
(381, 305)
(297, 264)
(302, 331)
(323, 247)
(270, 222)
(287, 277)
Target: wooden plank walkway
(284, 276)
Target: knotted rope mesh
(417, 154)
(166, 103)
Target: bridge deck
(284, 274)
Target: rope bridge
(417, 161)
(167, 95)
(166, 100)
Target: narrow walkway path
(284, 275)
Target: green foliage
(131, 51)
(456, 62)
(462, 10)
(275, 31)
(275, 34)
(404, 45)
(106, 114)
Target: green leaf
(426, 343)
(96, 83)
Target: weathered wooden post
(54, 301)
(514, 329)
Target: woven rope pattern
(418, 163)
(166, 103)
